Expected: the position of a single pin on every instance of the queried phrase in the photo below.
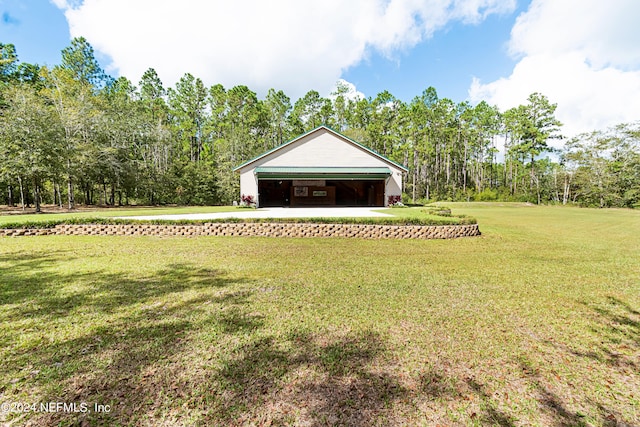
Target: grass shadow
(36, 292)
(22, 275)
(115, 340)
(550, 403)
(313, 379)
(616, 328)
(490, 415)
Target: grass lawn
(427, 213)
(536, 322)
(111, 212)
(413, 216)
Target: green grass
(536, 322)
(410, 216)
(430, 213)
(112, 212)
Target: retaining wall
(369, 231)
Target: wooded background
(72, 134)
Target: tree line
(73, 134)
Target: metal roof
(285, 172)
(370, 151)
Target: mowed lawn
(56, 214)
(536, 322)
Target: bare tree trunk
(566, 189)
(448, 168)
(436, 181)
(36, 195)
(493, 179)
(534, 178)
(87, 192)
(464, 170)
(601, 194)
(415, 174)
(21, 192)
(105, 201)
(70, 198)
(513, 176)
(508, 175)
(413, 187)
(10, 195)
(481, 169)
(507, 171)
(59, 195)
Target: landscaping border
(264, 229)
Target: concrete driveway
(276, 213)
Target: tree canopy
(72, 134)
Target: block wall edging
(262, 229)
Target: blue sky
(583, 54)
(37, 28)
(448, 61)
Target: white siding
(394, 184)
(249, 184)
(321, 148)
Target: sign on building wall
(301, 191)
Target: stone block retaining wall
(363, 231)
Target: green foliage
(79, 59)
(8, 62)
(438, 210)
(112, 143)
(603, 168)
(29, 140)
(197, 185)
(486, 195)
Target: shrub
(247, 200)
(438, 210)
(394, 200)
(486, 195)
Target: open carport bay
(288, 192)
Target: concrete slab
(332, 212)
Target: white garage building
(321, 168)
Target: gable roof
(336, 133)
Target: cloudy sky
(583, 55)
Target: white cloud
(286, 44)
(348, 89)
(583, 55)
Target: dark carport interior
(287, 186)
